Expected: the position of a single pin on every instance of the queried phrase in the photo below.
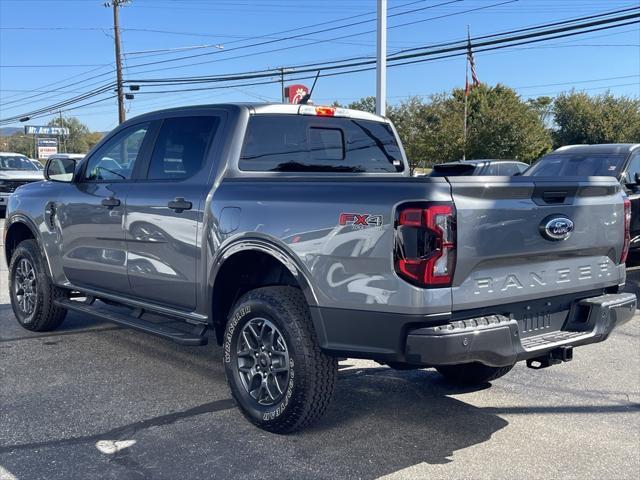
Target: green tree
(500, 125)
(366, 104)
(605, 118)
(92, 139)
(18, 143)
(544, 107)
(78, 139)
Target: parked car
(479, 167)
(619, 160)
(15, 170)
(75, 156)
(296, 235)
(37, 163)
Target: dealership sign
(37, 130)
(294, 93)
(47, 147)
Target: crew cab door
(91, 213)
(165, 209)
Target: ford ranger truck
(296, 236)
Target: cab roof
(262, 108)
(601, 148)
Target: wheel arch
(18, 229)
(232, 275)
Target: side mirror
(636, 178)
(60, 169)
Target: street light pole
(381, 63)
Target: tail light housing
(425, 244)
(627, 230)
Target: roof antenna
(307, 97)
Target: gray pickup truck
(297, 236)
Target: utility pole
(62, 139)
(381, 63)
(282, 84)
(116, 4)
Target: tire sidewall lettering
(231, 328)
(282, 406)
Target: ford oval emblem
(556, 228)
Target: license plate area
(533, 323)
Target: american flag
(472, 63)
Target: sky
(52, 50)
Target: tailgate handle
(554, 197)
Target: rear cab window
(300, 143)
(577, 165)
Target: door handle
(179, 205)
(110, 202)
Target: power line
(459, 46)
(293, 37)
(484, 7)
(429, 54)
(270, 35)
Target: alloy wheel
(263, 361)
(25, 286)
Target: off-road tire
(312, 374)
(472, 373)
(46, 316)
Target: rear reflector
(627, 230)
(425, 246)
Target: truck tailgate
(506, 255)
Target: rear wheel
(277, 374)
(31, 290)
(472, 373)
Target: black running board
(160, 330)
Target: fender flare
(30, 224)
(263, 244)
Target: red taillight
(627, 230)
(425, 249)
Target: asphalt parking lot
(93, 400)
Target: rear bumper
(495, 340)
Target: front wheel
(472, 373)
(32, 293)
(277, 373)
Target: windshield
(577, 165)
(16, 162)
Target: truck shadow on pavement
(380, 421)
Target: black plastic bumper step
(160, 330)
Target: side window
(114, 161)
(492, 169)
(633, 168)
(181, 147)
(507, 169)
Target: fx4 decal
(360, 220)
